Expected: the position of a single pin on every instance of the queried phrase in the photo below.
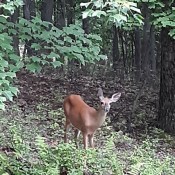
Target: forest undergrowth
(32, 128)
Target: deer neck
(100, 116)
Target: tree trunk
(115, 48)
(14, 18)
(47, 10)
(122, 48)
(59, 13)
(137, 61)
(29, 12)
(166, 117)
(70, 12)
(86, 25)
(145, 42)
(126, 48)
(152, 56)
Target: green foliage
(49, 46)
(64, 157)
(52, 45)
(10, 6)
(162, 14)
(165, 18)
(116, 12)
(143, 159)
(9, 64)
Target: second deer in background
(85, 118)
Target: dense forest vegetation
(52, 48)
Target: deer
(84, 118)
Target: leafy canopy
(117, 11)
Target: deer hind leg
(67, 126)
(77, 133)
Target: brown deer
(85, 118)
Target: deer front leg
(91, 140)
(77, 133)
(85, 140)
(67, 125)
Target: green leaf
(56, 64)
(3, 75)
(14, 90)
(103, 57)
(36, 46)
(3, 19)
(98, 3)
(2, 99)
(87, 13)
(172, 33)
(6, 82)
(80, 58)
(36, 59)
(119, 17)
(98, 13)
(14, 57)
(33, 67)
(8, 95)
(135, 9)
(53, 55)
(11, 74)
(3, 63)
(76, 49)
(85, 4)
(2, 106)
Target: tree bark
(122, 48)
(59, 13)
(70, 12)
(85, 25)
(137, 61)
(166, 115)
(14, 18)
(47, 10)
(152, 56)
(29, 12)
(145, 42)
(115, 48)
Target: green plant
(51, 46)
(144, 161)
(9, 64)
(116, 12)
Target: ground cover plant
(32, 143)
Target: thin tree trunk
(70, 12)
(126, 41)
(152, 49)
(14, 18)
(115, 49)
(86, 25)
(29, 12)
(59, 14)
(145, 43)
(122, 48)
(137, 61)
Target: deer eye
(102, 103)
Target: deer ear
(115, 97)
(100, 93)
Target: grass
(32, 143)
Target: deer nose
(106, 109)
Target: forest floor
(38, 111)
